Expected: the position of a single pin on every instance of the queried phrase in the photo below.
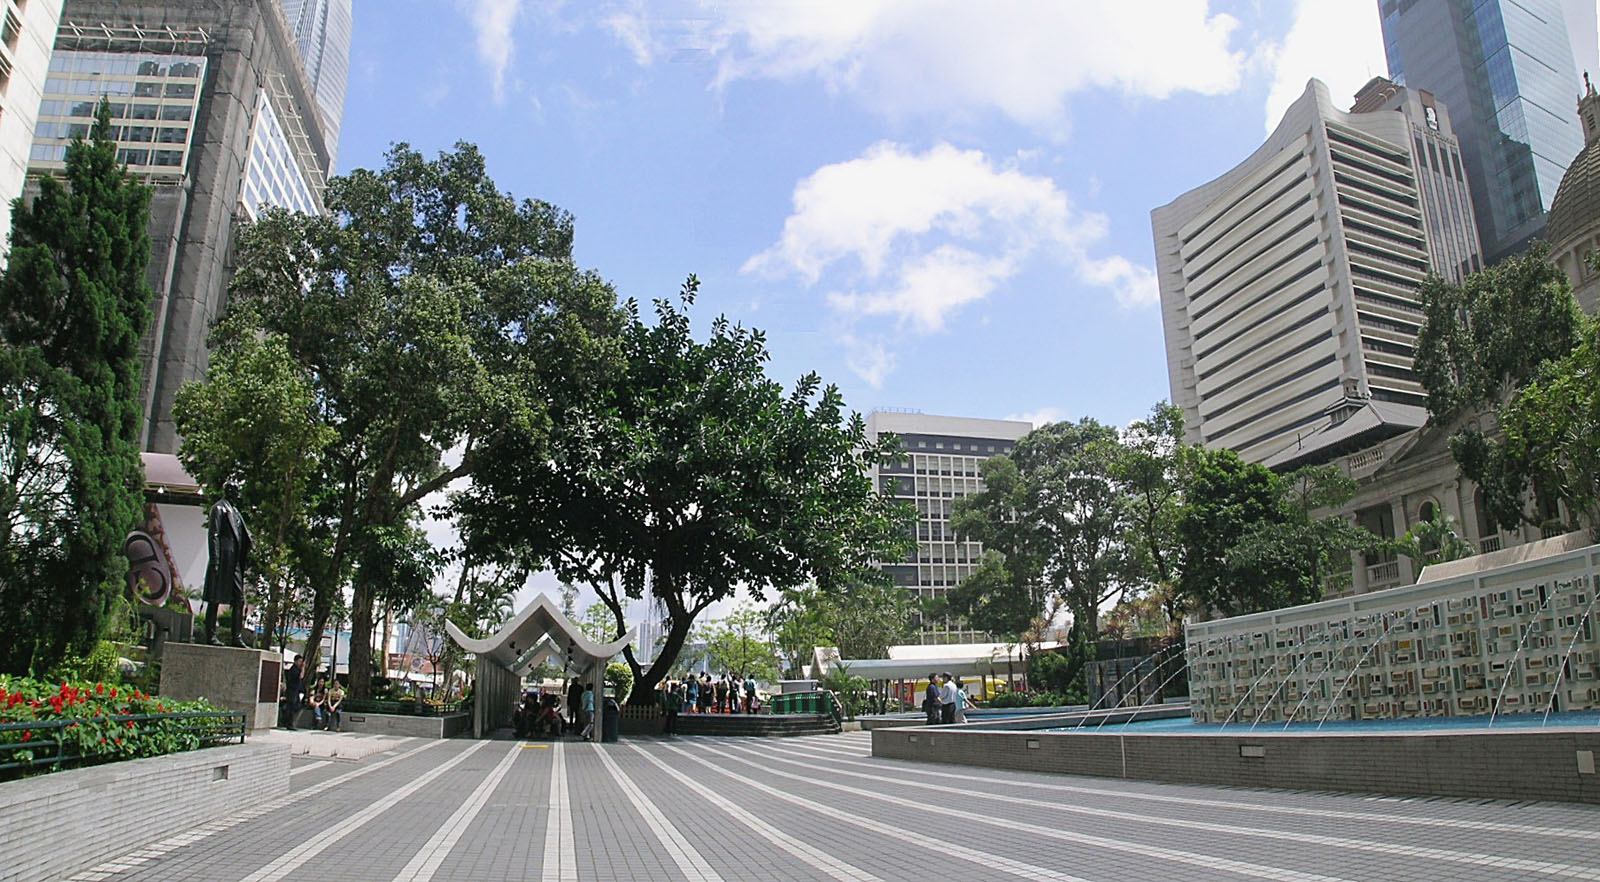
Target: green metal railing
(49, 745)
(822, 702)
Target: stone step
(759, 725)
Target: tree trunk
(644, 685)
(321, 609)
(361, 640)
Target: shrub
(92, 735)
(620, 678)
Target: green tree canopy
(689, 474)
(1006, 594)
(430, 312)
(1482, 339)
(739, 643)
(255, 421)
(861, 618)
(1482, 344)
(1254, 540)
(74, 303)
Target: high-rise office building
(1506, 70)
(213, 109)
(27, 33)
(939, 465)
(1288, 284)
(322, 31)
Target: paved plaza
(822, 808)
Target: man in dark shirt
(293, 685)
(930, 700)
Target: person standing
(947, 699)
(293, 685)
(575, 705)
(750, 694)
(671, 703)
(588, 712)
(961, 701)
(931, 701)
(335, 701)
(694, 692)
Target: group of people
(945, 700)
(325, 696)
(539, 716)
(729, 694)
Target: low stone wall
(1549, 764)
(447, 726)
(57, 824)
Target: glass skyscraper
(1505, 69)
(322, 30)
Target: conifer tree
(74, 303)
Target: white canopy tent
(537, 634)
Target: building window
(167, 158)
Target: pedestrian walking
(930, 700)
(588, 712)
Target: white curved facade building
(1288, 284)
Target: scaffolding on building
(132, 38)
(294, 129)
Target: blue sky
(935, 209)
(936, 204)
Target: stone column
(1408, 573)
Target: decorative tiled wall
(1523, 635)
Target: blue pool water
(1417, 724)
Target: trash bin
(610, 720)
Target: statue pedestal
(229, 677)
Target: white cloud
(1019, 57)
(1336, 41)
(913, 237)
(1041, 416)
(494, 21)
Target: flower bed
(47, 725)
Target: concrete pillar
(1408, 573)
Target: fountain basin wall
(1503, 639)
(1523, 764)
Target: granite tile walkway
(822, 808)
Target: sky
(937, 205)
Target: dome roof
(1576, 206)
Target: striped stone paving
(822, 808)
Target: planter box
(60, 823)
(447, 726)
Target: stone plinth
(229, 677)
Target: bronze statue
(229, 541)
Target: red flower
(26, 735)
(113, 692)
(99, 688)
(159, 708)
(130, 724)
